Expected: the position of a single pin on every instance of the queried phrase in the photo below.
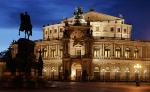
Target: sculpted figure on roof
(78, 13)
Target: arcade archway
(76, 71)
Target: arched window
(107, 69)
(135, 54)
(96, 69)
(127, 69)
(107, 53)
(117, 69)
(118, 53)
(127, 53)
(78, 50)
(96, 52)
(53, 52)
(61, 53)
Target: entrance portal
(76, 71)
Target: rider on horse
(25, 24)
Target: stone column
(56, 49)
(87, 48)
(114, 51)
(65, 47)
(49, 51)
(59, 51)
(122, 51)
(103, 50)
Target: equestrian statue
(25, 25)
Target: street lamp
(137, 68)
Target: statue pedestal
(25, 57)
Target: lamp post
(137, 68)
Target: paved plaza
(86, 87)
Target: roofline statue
(25, 25)
(78, 13)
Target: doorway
(76, 71)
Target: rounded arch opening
(76, 71)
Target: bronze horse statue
(25, 25)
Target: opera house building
(92, 46)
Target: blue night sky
(136, 12)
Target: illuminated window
(53, 53)
(107, 69)
(117, 69)
(46, 53)
(96, 69)
(118, 53)
(136, 53)
(61, 69)
(127, 69)
(78, 52)
(107, 52)
(127, 53)
(61, 53)
(96, 53)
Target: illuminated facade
(95, 44)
